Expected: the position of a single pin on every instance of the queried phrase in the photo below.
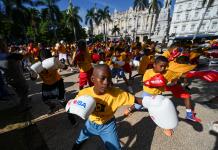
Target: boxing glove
(82, 106)
(175, 53)
(161, 110)
(208, 75)
(156, 81)
(37, 67)
(52, 64)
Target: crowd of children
(99, 62)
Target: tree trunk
(202, 19)
(74, 31)
(150, 25)
(168, 24)
(104, 32)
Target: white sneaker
(215, 127)
(116, 80)
(130, 89)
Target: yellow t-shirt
(50, 77)
(180, 68)
(194, 55)
(171, 75)
(153, 91)
(62, 49)
(143, 64)
(107, 104)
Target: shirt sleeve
(125, 98)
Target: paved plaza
(136, 132)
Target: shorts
(54, 91)
(85, 77)
(117, 72)
(62, 56)
(178, 91)
(136, 63)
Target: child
(83, 60)
(108, 99)
(52, 87)
(117, 70)
(159, 67)
(176, 70)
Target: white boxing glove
(37, 67)
(161, 110)
(82, 106)
(50, 63)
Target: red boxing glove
(194, 74)
(210, 76)
(155, 81)
(175, 53)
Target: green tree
(154, 9)
(116, 30)
(140, 4)
(104, 17)
(52, 13)
(73, 19)
(15, 14)
(91, 17)
(208, 4)
(34, 23)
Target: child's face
(102, 80)
(160, 67)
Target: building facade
(187, 16)
(134, 23)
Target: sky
(120, 5)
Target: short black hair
(99, 67)
(182, 60)
(161, 59)
(82, 44)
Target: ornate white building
(136, 24)
(187, 15)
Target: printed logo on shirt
(100, 107)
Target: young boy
(83, 60)
(117, 70)
(52, 89)
(159, 68)
(176, 70)
(108, 99)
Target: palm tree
(16, 13)
(91, 17)
(209, 3)
(34, 21)
(52, 13)
(116, 30)
(104, 16)
(139, 5)
(154, 9)
(72, 18)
